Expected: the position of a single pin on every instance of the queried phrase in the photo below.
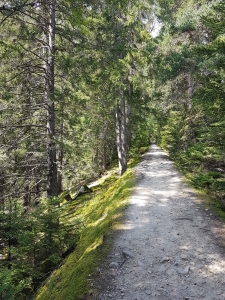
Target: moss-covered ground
(97, 213)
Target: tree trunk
(121, 140)
(2, 192)
(128, 116)
(104, 156)
(49, 50)
(188, 104)
(190, 90)
(59, 174)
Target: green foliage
(141, 137)
(41, 239)
(172, 133)
(189, 81)
(99, 55)
(205, 179)
(33, 246)
(11, 286)
(101, 214)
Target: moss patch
(99, 213)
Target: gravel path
(170, 246)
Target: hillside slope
(99, 213)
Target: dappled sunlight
(185, 247)
(99, 220)
(216, 268)
(167, 234)
(99, 213)
(127, 226)
(98, 241)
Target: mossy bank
(100, 213)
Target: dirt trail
(169, 247)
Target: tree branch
(8, 7)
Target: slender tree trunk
(121, 109)
(61, 151)
(128, 116)
(104, 156)
(187, 103)
(190, 90)
(49, 36)
(2, 191)
(121, 139)
(59, 175)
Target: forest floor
(169, 246)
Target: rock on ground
(170, 246)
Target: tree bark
(190, 90)
(59, 174)
(104, 156)
(121, 138)
(49, 50)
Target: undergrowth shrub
(197, 147)
(32, 246)
(208, 180)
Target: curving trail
(170, 247)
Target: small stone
(113, 265)
(110, 296)
(184, 257)
(140, 264)
(148, 292)
(127, 253)
(184, 271)
(165, 259)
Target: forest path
(169, 247)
